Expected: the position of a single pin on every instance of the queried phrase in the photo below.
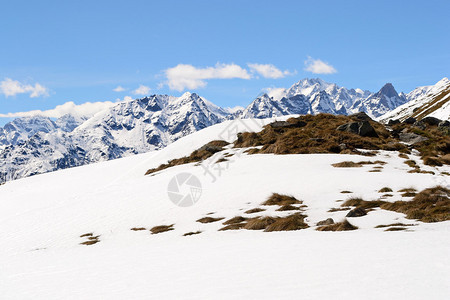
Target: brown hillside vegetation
(319, 134)
(341, 226)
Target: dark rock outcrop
(361, 128)
(356, 212)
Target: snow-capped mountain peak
(424, 101)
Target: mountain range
(38, 144)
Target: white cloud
(87, 109)
(184, 76)
(317, 66)
(9, 87)
(142, 90)
(268, 71)
(119, 89)
(125, 99)
(276, 93)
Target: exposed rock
(361, 116)
(444, 124)
(420, 125)
(361, 128)
(431, 121)
(411, 138)
(328, 221)
(410, 120)
(356, 212)
(393, 122)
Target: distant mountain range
(37, 144)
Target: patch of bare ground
(288, 207)
(254, 210)
(429, 205)
(395, 229)
(351, 164)
(192, 233)
(385, 190)
(233, 227)
(341, 226)
(289, 223)
(335, 209)
(346, 192)
(259, 223)
(278, 199)
(91, 239)
(235, 220)
(138, 228)
(209, 220)
(90, 242)
(394, 225)
(161, 228)
(403, 155)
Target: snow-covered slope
(42, 218)
(431, 101)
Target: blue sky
(54, 52)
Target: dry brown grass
(235, 220)
(408, 194)
(233, 227)
(386, 195)
(407, 190)
(192, 233)
(259, 223)
(161, 228)
(335, 209)
(289, 223)
(346, 192)
(347, 164)
(91, 242)
(351, 164)
(91, 239)
(359, 202)
(138, 228)
(209, 220)
(432, 161)
(385, 190)
(403, 155)
(200, 154)
(318, 135)
(288, 207)
(429, 205)
(341, 226)
(278, 199)
(411, 163)
(254, 210)
(395, 229)
(394, 225)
